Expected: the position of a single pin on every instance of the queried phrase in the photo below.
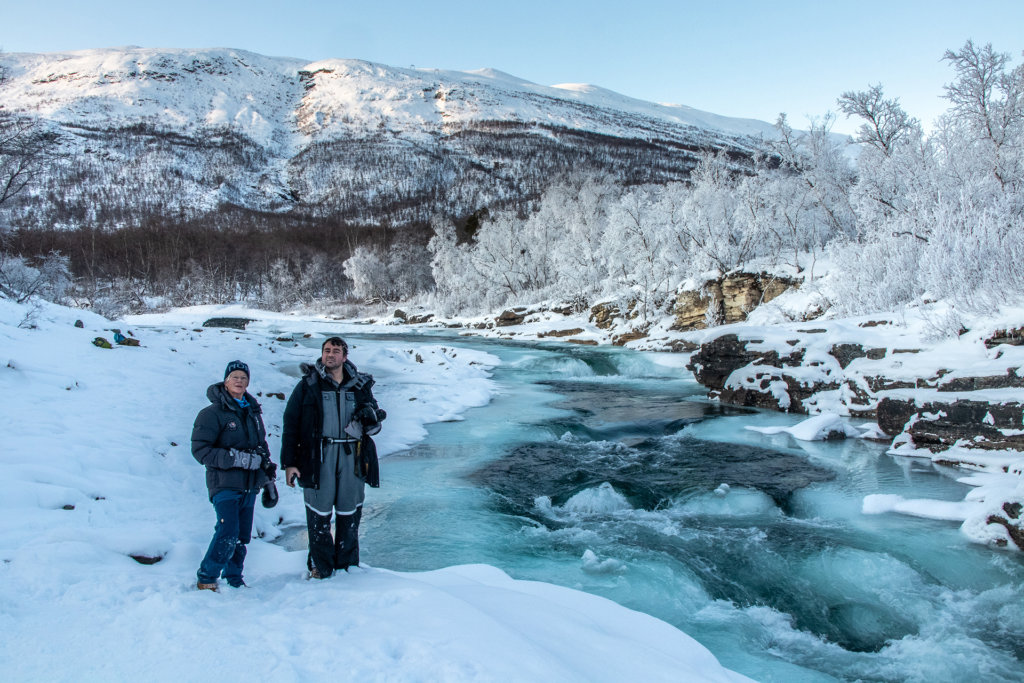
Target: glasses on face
(240, 377)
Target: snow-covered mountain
(185, 131)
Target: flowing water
(598, 469)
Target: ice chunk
(817, 428)
(594, 565)
(602, 500)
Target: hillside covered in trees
(331, 182)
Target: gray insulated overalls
(341, 490)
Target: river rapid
(608, 471)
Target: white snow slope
(97, 468)
(283, 103)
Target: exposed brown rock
(690, 311)
(733, 297)
(681, 346)
(877, 383)
(507, 318)
(560, 333)
(632, 335)
(847, 353)
(976, 424)
(603, 315)
(1013, 337)
(1014, 528)
(1010, 380)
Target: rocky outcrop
(938, 425)
(770, 380)
(1013, 337)
(631, 335)
(934, 413)
(603, 315)
(510, 317)
(1010, 380)
(1013, 522)
(847, 353)
(728, 300)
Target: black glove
(269, 497)
(245, 459)
(367, 416)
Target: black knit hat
(236, 365)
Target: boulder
(510, 317)
(230, 323)
(626, 337)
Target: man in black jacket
(326, 446)
(230, 439)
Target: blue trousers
(226, 553)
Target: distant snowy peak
(275, 100)
(182, 90)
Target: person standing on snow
(230, 439)
(326, 446)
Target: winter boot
(321, 545)
(346, 540)
(207, 586)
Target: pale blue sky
(737, 58)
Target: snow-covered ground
(97, 466)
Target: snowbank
(104, 518)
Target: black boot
(346, 540)
(320, 544)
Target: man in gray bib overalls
(326, 446)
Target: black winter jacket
(224, 425)
(301, 437)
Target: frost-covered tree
(637, 250)
(713, 228)
(939, 216)
(386, 275)
(578, 206)
(21, 280)
(988, 99)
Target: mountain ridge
(181, 131)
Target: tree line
(917, 217)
